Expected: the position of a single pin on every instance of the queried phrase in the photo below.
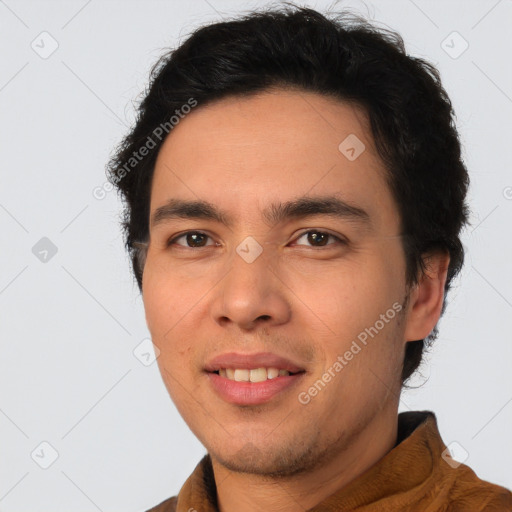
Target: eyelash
(338, 239)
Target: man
(294, 196)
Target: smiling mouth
(254, 374)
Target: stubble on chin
(297, 455)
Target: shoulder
(169, 505)
(468, 492)
(483, 502)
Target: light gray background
(69, 325)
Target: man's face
(307, 287)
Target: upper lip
(250, 361)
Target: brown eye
(319, 238)
(193, 239)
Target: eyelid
(173, 238)
(339, 238)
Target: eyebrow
(302, 207)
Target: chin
(282, 461)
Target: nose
(251, 295)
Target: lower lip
(251, 393)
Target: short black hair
(338, 55)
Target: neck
(242, 492)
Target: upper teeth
(254, 375)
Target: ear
(427, 296)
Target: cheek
(348, 301)
(163, 314)
(160, 311)
(338, 294)
(168, 297)
(167, 308)
(175, 304)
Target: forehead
(242, 152)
